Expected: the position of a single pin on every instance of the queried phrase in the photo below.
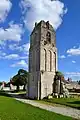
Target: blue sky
(17, 18)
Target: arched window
(37, 60)
(45, 60)
(48, 37)
(55, 60)
(50, 61)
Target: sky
(17, 19)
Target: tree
(20, 79)
(79, 82)
(0, 83)
(23, 75)
(59, 75)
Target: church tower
(42, 60)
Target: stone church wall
(42, 60)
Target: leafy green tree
(59, 75)
(23, 75)
(20, 79)
(0, 83)
(79, 82)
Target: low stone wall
(73, 87)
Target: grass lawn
(11, 109)
(72, 102)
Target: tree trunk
(24, 88)
(17, 87)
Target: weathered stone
(42, 61)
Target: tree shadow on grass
(76, 104)
(3, 93)
(21, 96)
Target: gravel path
(67, 111)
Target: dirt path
(67, 111)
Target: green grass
(10, 109)
(71, 102)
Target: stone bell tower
(42, 60)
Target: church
(42, 60)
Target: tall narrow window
(37, 60)
(50, 61)
(55, 60)
(45, 55)
(48, 37)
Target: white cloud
(73, 73)
(2, 54)
(74, 51)
(23, 48)
(5, 6)
(69, 55)
(13, 33)
(12, 56)
(37, 10)
(74, 46)
(13, 46)
(62, 56)
(21, 63)
(73, 61)
(2, 43)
